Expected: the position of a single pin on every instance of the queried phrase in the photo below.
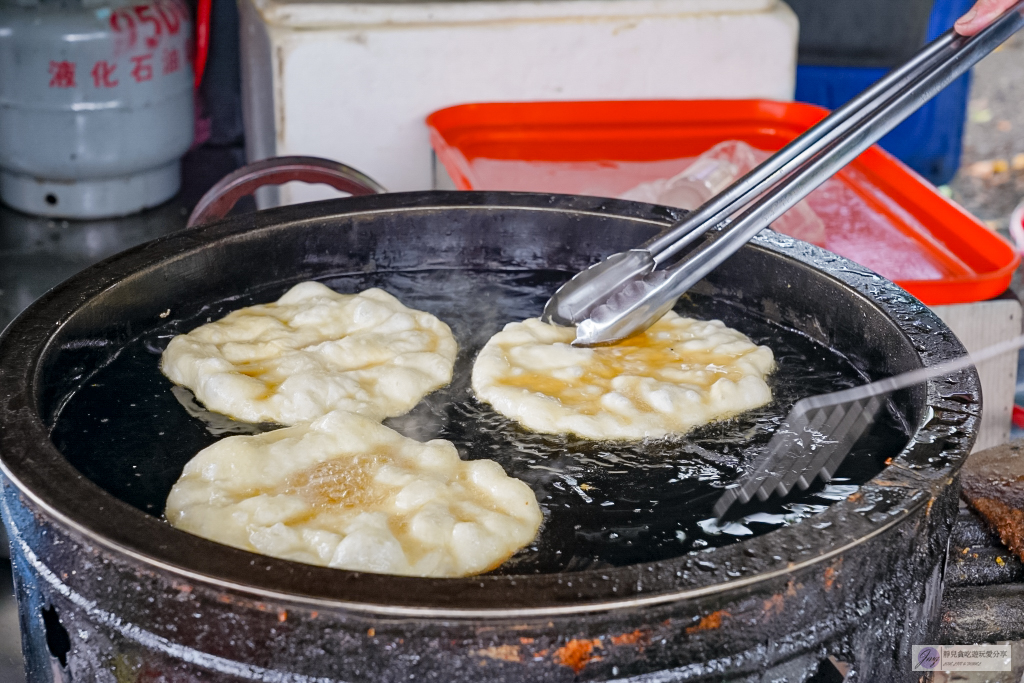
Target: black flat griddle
(859, 580)
(605, 503)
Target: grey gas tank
(96, 105)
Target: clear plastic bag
(712, 172)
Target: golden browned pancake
(313, 351)
(348, 492)
(677, 375)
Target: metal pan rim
(553, 594)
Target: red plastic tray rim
(669, 129)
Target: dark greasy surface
(993, 485)
(977, 557)
(984, 596)
(605, 503)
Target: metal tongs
(626, 293)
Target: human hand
(981, 15)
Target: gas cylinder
(96, 104)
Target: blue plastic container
(929, 141)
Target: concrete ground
(991, 178)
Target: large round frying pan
(89, 442)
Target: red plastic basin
(917, 237)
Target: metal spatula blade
(819, 432)
(812, 442)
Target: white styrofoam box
(353, 81)
(979, 325)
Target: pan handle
(220, 198)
